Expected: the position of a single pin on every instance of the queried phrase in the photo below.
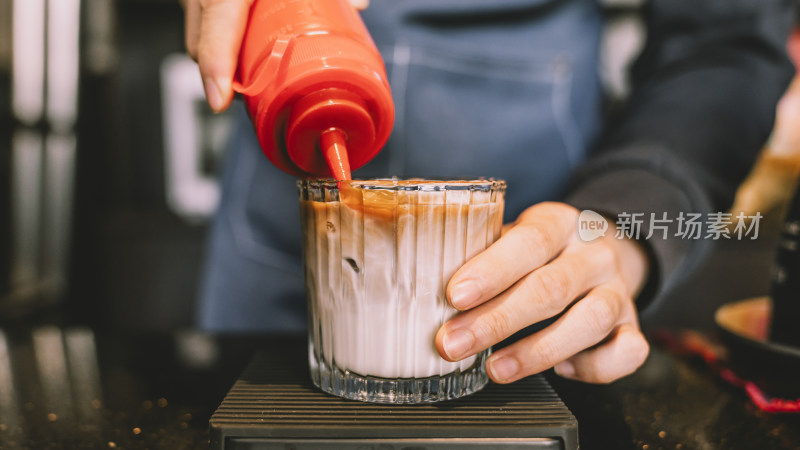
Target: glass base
(353, 386)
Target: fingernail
(213, 93)
(504, 368)
(458, 343)
(464, 294)
(565, 369)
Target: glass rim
(411, 184)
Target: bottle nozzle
(335, 121)
(334, 150)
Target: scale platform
(274, 405)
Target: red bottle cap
(306, 67)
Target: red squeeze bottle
(315, 86)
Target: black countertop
(69, 387)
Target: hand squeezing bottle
(315, 86)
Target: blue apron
(496, 88)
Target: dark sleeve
(703, 100)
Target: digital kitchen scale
(274, 405)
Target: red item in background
(691, 343)
(307, 66)
(793, 47)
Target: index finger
(539, 235)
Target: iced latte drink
(378, 255)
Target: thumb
(221, 30)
